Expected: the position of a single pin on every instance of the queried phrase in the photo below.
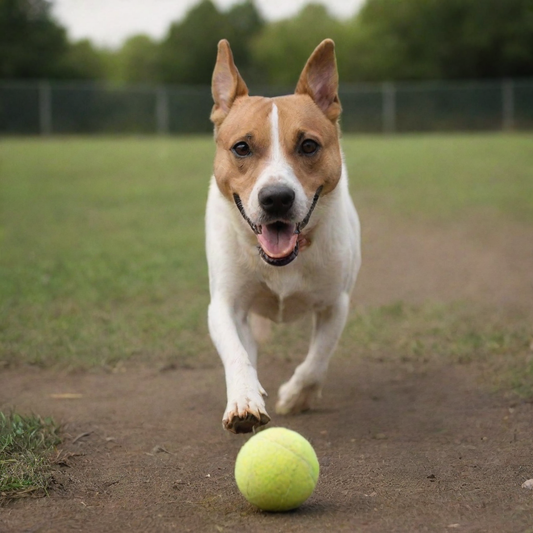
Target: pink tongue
(278, 241)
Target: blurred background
(106, 153)
(144, 67)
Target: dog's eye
(309, 147)
(241, 149)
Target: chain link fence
(50, 107)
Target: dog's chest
(279, 309)
(287, 297)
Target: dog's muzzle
(280, 238)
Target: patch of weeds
(521, 377)
(26, 443)
(500, 343)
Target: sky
(109, 22)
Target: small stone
(528, 484)
(159, 449)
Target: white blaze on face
(277, 239)
(276, 152)
(277, 171)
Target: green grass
(26, 443)
(443, 177)
(500, 343)
(102, 243)
(102, 253)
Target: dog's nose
(276, 200)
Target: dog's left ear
(227, 84)
(320, 80)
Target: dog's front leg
(296, 395)
(233, 339)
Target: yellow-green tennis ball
(277, 470)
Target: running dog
(282, 233)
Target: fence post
(507, 105)
(45, 108)
(389, 107)
(161, 110)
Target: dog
(282, 233)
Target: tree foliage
(283, 47)
(32, 44)
(441, 39)
(188, 52)
(386, 40)
(137, 61)
(82, 61)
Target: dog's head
(276, 157)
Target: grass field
(102, 245)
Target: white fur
(277, 171)
(319, 281)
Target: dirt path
(403, 447)
(400, 450)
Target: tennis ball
(277, 469)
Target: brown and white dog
(282, 233)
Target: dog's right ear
(227, 84)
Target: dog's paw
(246, 424)
(294, 398)
(246, 413)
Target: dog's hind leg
(306, 382)
(261, 327)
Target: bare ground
(403, 447)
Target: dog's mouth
(278, 241)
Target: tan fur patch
(247, 121)
(299, 119)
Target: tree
(282, 48)
(447, 39)
(32, 43)
(493, 39)
(82, 61)
(188, 52)
(245, 23)
(137, 60)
